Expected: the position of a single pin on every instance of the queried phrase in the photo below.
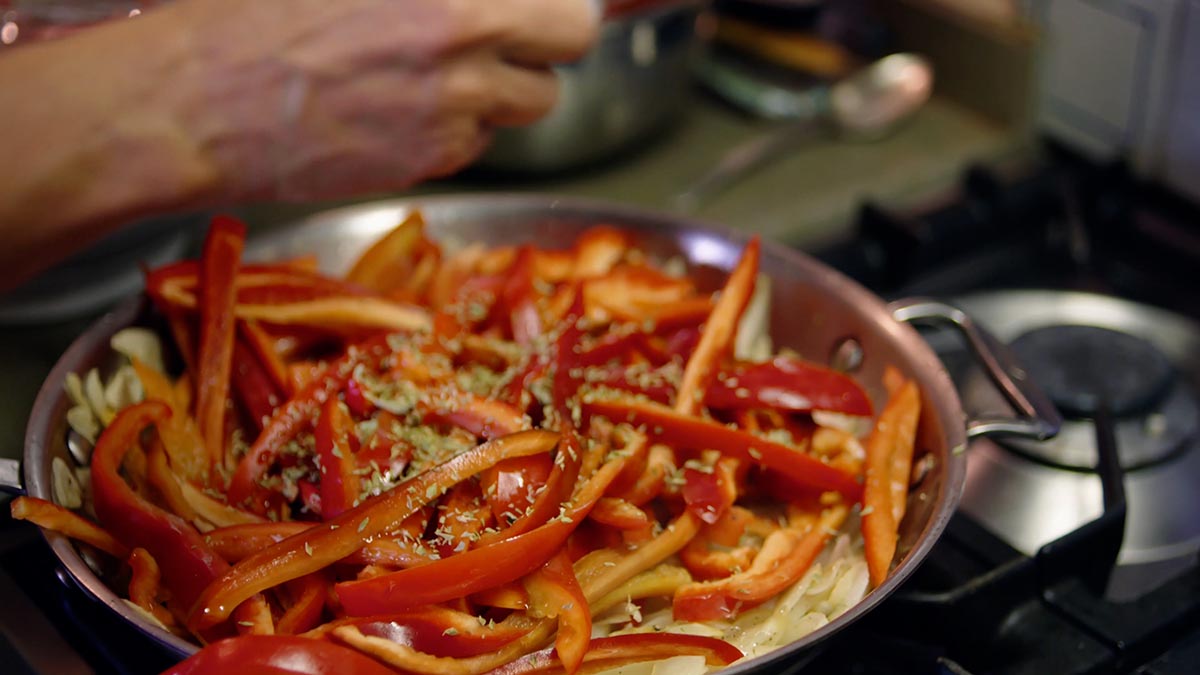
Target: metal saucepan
(814, 310)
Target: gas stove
(1078, 555)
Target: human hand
(305, 99)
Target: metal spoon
(864, 106)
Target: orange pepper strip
(619, 650)
(906, 434)
(180, 437)
(217, 297)
(693, 433)
(385, 265)
(162, 479)
(253, 617)
(309, 593)
(893, 433)
(143, 586)
(719, 332)
(339, 481)
(786, 556)
(51, 516)
(323, 545)
(477, 569)
(554, 592)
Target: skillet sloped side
(813, 309)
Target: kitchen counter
(801, 199)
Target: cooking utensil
(632, 82)
(815, 310)
(867, 105)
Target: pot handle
(10, 477)
(1037, 418)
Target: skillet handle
(1037, 418)
(10, 477)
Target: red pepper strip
(597, 250)
(554, 592)
(332, 438)
(477, 569)
(559, 486)
(263, 347)
(508, 596)
(278, 655)
(270, 283)
(516, 302)
(388, 262)
(693, 433)
(435, 630)
(325, 544)
(309, 593)
(633, 293)
(708, 493)
(143, 586)
(51, 516)
(294, 416)
(187, 562)
(483, 417)
(238, 542)
(787, 383)
(719, 331)
(253, 386)
(356, 399)
(894, 432)
(217, 297)
(786, 556)
(512, 486)
(254, 617)
(180, 438)
(620, 514)
(619, 650)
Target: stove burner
(1080, 366)
(1030, 493)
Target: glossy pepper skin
(188, 564)
(278, 655)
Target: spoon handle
(744, 159)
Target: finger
(496, 92)
(540, 32)
(524, 95)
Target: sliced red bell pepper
(187, 562)
(516, 303)
(255, 389)
(683, 431)
(477, 569)
(263, 346)
(559, 486)
(787, 383)
(437, 630)
(356, 399)
(340, 485)
(619, 650)
(716, 340)
(325, 544)
(296, 415)
(483, 417)
(512, 486)
(217, 297)
(554, 592)
(278, 655)
(238, 542)
(708, 493)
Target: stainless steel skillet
(814, 310)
